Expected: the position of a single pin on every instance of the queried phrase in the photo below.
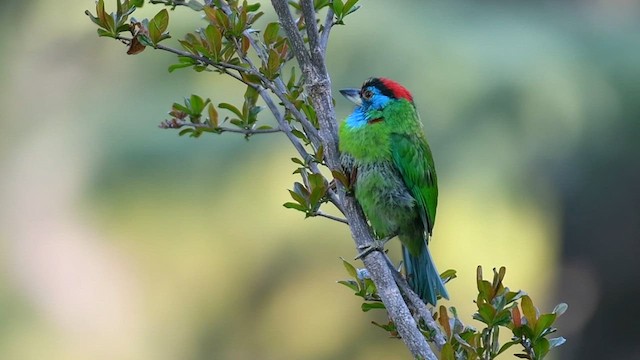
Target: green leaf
(214, 38)
(350, 284)
(350, 268)
(299, 198)
(137, 3)
(338, 5)
(448, 275)
(348, 6)
(486, 314)
(319, 156)
(213, 115)
(231, 108)
(447, 351)
(174, 67)
(541, 348)
(158, 25)
(370, 306)
(529, 311)
(544, 321)
(101, 14)
(271, 33)
(197, 104)
(506, 346)
(290, 205)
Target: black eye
(367, 94)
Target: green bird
(385, 153)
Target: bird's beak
(352, 95)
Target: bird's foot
(376, 245)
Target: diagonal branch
(295, 39)
(326, 30)
(309, 14)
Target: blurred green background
(120, 240)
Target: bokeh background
(119, 240)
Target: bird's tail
(422, 275)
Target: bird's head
(374, 95)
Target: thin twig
(326, 30)
(309, 14)
(329, 216)
(177, 123)
(295, 39)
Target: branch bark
(318, 87)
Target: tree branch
(326, 30)
(419, 308)
(318, 86)
(329, 216)
(309, 14)
(177, 123)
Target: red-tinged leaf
(135, 47)
(245, 44)
(443, 319)
(101, 14)
(210, 13)
(515, 315)
(529, 311)
(340, 176)
(273, 63)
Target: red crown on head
(398, 90)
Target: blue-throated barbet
(384, 150)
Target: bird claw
(376, 245)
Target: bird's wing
(412, 157)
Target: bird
(384, 151)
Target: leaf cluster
(497, 308)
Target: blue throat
(361, 115)
(357, 119)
